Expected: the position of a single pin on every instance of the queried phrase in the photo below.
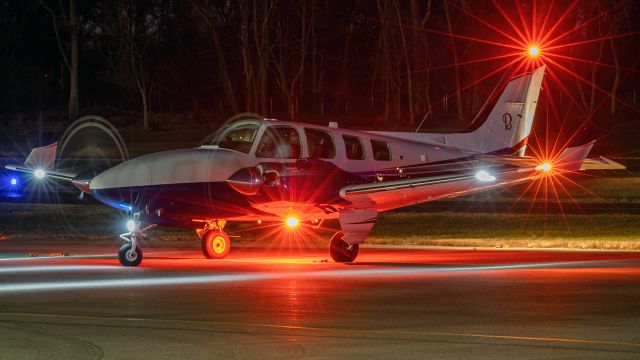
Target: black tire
(215, 244)
(342, 252)
(127, 258)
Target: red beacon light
(533, 51)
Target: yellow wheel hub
(218, 244)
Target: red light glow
(544, 167)
(292, 221)
(526, 38)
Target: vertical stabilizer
(503, 124)
(506, 128)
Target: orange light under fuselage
(291, 221)
(544, 167)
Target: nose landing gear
(130, 253)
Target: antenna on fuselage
(423, 120)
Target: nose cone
(119, 186)
(127, 174)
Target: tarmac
(66, 300)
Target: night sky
(376, 64)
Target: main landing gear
(214, 241)
(130, 253)
(340, 250)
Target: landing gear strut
(340, 250)
(214, 241)
(130, 253)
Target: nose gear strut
(130, 254)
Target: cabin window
(381, 151)
(281, 142)
(353, 146)
(320, 144)
(240, 138)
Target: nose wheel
(341, 251)
(130, 254)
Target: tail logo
(508, 121)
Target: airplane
(291, 172)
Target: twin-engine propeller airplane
(291, 172)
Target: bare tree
(292, 32)
(213, 18)
(454, 53)
(620, 19)
(261, 15)
(385, 62)
(68, 50)
(420, 58)
(254, 47)
(407, 61)
(131, 28)
(247, 58)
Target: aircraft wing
(81, 181)
(40, 164)
(601, 163)
(41, 172)
(388, 195)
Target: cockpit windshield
(236, 135)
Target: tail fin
(503, 124)
(506, 127)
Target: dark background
(161, 64)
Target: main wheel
(215, 244)
(128, 257)
(340, 250)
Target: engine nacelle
(246, 181)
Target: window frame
(346, 152)
(388, 146)
(240, 127)
(329, 134)
(225, 129)
(264, 133)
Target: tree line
(390, 61)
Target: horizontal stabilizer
(43, 157)
(571, 159)
(601, 163)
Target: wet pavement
(275, 303)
